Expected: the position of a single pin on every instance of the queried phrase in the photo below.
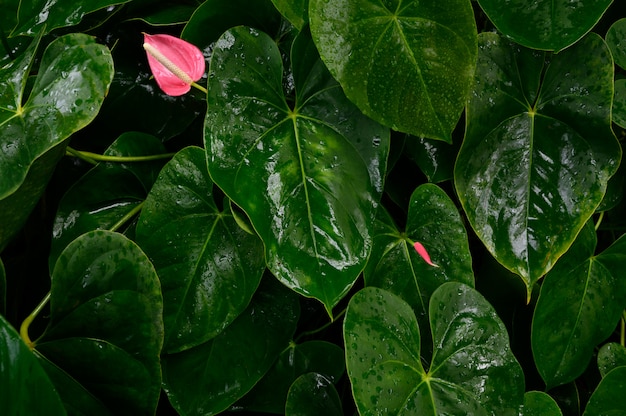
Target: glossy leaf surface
(312, 394)
(407, 64)
(26, 389)
(610, 395)
(580, 303)
(538, 151)
(538, 403)
(105, 308)
(394, 265)
(73, 77)
(472, 370)
(51, 14)
(108, 192)
(545, 24)
(270, 394)
(619, 103)
(209, 268)
(209, 378)
(310, 177)
(611, 356)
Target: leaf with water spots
(538, 151)
(472, 370)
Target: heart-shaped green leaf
(106, 327)
(538, 403)
(394, 265)
(545, 24)
(37, 14)
(408, 64)
(309, 177)
(472, 371)
(209, 378)
(610, 356)
(73, 77)
(209, 268)
(108, 193)
(609, 398)
(538, 151)
(270, 394)
(580, 303)
(26, 389)
(313, 394)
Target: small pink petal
(181, 53)
(423, 253)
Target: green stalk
(26, 323)
(94, 158)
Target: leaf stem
(94, 158)
(200, 87)
(130, 214)
(26, 323)
(599, 221)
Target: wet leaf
(211, 377)
(472, 371)
(73, 77)
(580, 303)
(106, 328)
(209, 268)
(619, 103)
(616, 40)
(309, 177)
(26, 389)
(407, 64)
(35, 15)
(611, 356)
(545, 24)
(538, 151)
(312, 394)
(296, 11)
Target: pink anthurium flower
(175, 63)
(421, 250)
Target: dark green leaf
(214, 17)
(35, 15)
(26, 389)
(434, 157)
(394, 265)
(106, 328)
(209, 268)
(472, 371)
(407, 64)
(545, 24)
(580, 303)
(611, 356)
(209, 378)
(538, 151)
(538, 403)
(313, 394)
(610, 396)
(3, 289)
(310, 177)
(107, 193)
(296, 11)
(167, 14)
(74, 75)
(270, 394)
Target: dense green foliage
(251, 248)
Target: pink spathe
(421, 250)
(174, 62)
